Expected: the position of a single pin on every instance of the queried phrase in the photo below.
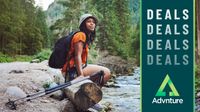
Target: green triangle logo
(166, 81)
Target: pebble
(45, 101)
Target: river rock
(35, 61)
(16, 92)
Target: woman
(79, 50)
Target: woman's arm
(78, 60)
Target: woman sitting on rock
(79, 51)
(77, 65)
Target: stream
(125, 95)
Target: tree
(41, 24)
(12, 19)
(71, 19)
(22, 27)
(114, 28)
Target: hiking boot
(97, 107)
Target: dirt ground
(29, 77)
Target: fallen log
(83, 95)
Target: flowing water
(125, 95)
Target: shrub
(43, 55)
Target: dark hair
(84, 29)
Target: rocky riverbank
(123, 95)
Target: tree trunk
(83, 95)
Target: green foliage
(47, 84)
(93, 54)
(45, 31)
(70, 21)
(43, 55)
(23, 58)
(23, 30)
(114, 28)
(6, 58)
(136, 44)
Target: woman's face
(90, 24)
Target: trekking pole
(11, 104)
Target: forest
(24, 31)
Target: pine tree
(22, 27)
(12, 19)
(114, 23)
(41, 24)
(115, 27)
(104, 7)
(70, 21)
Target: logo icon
(166, 81)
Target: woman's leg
(91, 69)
